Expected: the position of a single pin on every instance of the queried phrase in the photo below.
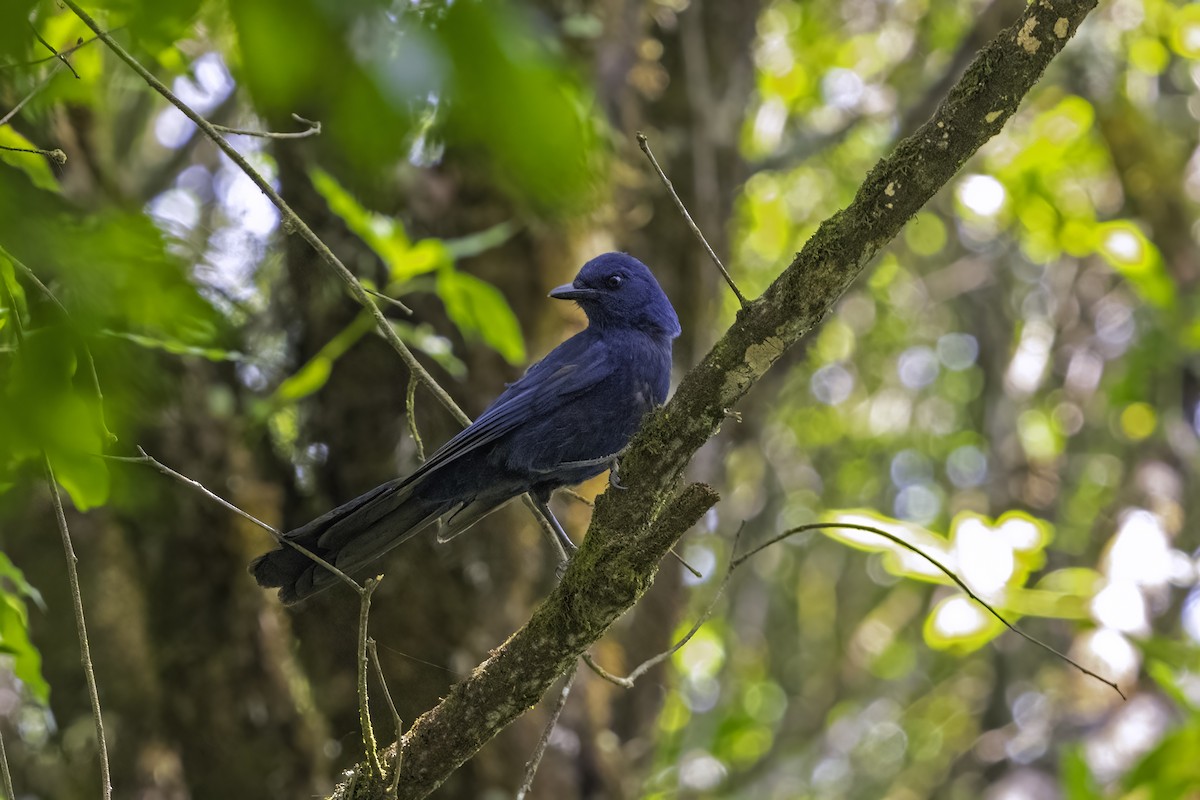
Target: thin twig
(314, 129)
(364, 708)
(645, 145)
(55, 155)
(531, 767)
(109, 436)
(387, 696)
(942, 568)
(410, 407)
(78, 44)
(60, 56)
(9, 794)
(85, 651)
(33, 93)
(648, 664)
(149, 460)
(389, 299)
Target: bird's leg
(568, 546)
(610, 461)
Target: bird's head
(617, 290)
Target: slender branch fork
(644, 144)
(736, 561)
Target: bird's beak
(569, 291)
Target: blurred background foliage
(1013, 387)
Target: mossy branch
(632, 529)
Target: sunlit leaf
(1128, 251)
(315, 372)
(480, 311)
(960, 624)
(384, 235)
(177, 348)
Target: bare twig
(78, 44)
(9, 794)
(85, 651)
(149, 460)
(389, 299)
(410, 408)
(641, 669)
(387, 696)
(364, 708)
(736, 562)
(60, 56)
(943, 569)
(645, 145)
(363, 591)
(55, 155)
(314, 129)
(531, 767)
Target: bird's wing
(569, 370)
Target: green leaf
(176, 347)
(1171, 770)
(306, 380)
(14, 640)
(960, 624)
(478, 243)
(1077, 780)
(315, 372)
(513, 99)
(1129, 252)
(41, 410)
(84, 476)
(480, 311)
(382, 234)
(17, 578)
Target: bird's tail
(349, 537)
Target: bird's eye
(614, 281)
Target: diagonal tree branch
(632, 529)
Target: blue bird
(563, 422)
